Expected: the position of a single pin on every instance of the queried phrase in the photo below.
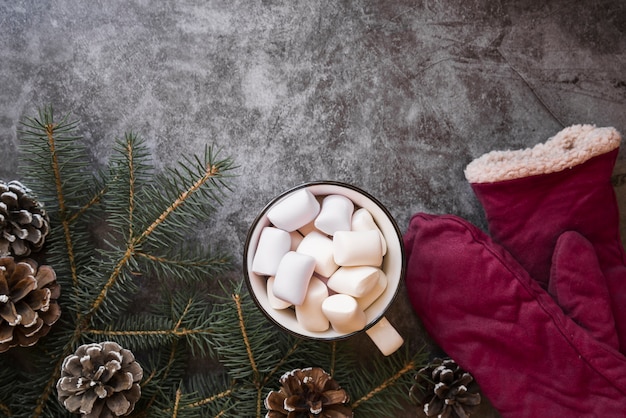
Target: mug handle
(385, 337)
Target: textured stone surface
(393, 96)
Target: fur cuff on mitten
(570, 147)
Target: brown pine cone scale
(100, 380)
(24, 223)
(308, 393)
(445, 390)
(28, 302)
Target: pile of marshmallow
(323, 259)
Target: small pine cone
(24, 223)
(307, 393)
(28, 302)
(100, 381)
(445, 390)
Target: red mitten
(579, 288)
(485, 311)
(532, 196)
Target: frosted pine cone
(28, 305)
(24, 223)
(443, 389)
(308, 393)
(100, 381)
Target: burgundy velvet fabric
(527, 216)
(486, 312)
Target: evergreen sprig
(100, 273)
(131, 272)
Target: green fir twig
(99, 284)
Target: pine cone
(24, 223)
(100, 381)
(307, 393)
(445, 390)
(28, 305)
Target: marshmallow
(292, 277)
(335, 214)
(385, 336)
(308, 228)
(296, 239)
(275, 303)
(344, 314)
(294, 211)
(309, 314)
(325, 281)
(362, 220)
(357, 248)
(371, 296)
(320, 247)
(273, 245)
(355, 281)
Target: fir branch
(171, 360)
(129, 153)
(183, 317)
(381, 389)
(135, 241)
(52, 142)
(95, 200)
(215, 395)
(189, 399)
(333, 358)
(63, 211)
(183, 264)
(110, 282)
(244, 334)
(49, 385)
(409, 367)
(248, 353)
(176, 403)
(186, 264)
(49, 140)
(212, 170)
(291, 351)
(253, 365)
(163, 369)
(203, 402)
(143, 333)
(66, 172)
(194, 406)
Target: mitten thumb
(579, 287)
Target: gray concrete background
(393, 96)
